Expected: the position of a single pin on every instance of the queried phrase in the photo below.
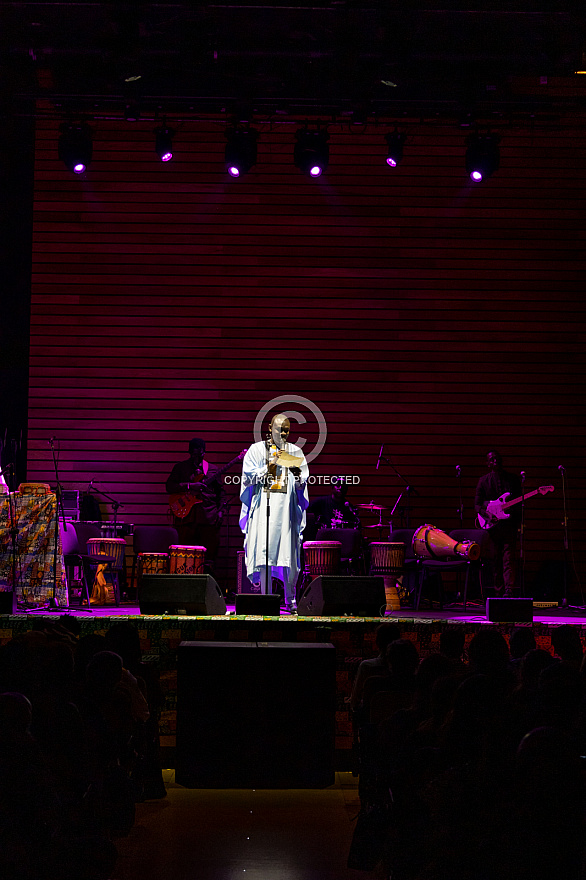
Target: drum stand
(116, 505)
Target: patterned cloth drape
(35, 544)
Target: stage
(352, 637)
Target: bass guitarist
(503, 532)
(198, 480)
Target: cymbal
(285, 459)
(377, 526)
(371, 506)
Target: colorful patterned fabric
(35, 546)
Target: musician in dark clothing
(198, 481)
(503, 533)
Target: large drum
(108, 547)
(322, 557)
(429, 542)
(387, 558)
(151, 563)
(186, 559)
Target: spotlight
(312, 154)
(164, 143)
(482, 156)
(75, 146)
(240, 154)
(395, 140)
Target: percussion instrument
(34, 489)
(151, 563)
(431, 543)
(387, 558)
(116, 547)
(322, 557)
(371, 506)
(186, 559)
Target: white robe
(286, 522)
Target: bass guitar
(182, 502)
(496, 510)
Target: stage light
(75, 146)
(312, 154)
(482, 156)
(241, 151)
(164, 143)
(395, 140)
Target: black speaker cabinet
(180, 594)
(255, 715)
(8, 602)
(334, 596)
(518, 610)
(256, 603)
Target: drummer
(332, 511)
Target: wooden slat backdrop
(412, 307)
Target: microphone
(51, 440)
(89, 488)
(522, 476)
(380, 455)
(458, 470)
(561, 469)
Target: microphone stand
(562, 470)
(409, 490)
(267, 488)
(115, 504)
(394, 508)
(521, 537)
(461, 508)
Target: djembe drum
(430, 542)
(151, 563)
(186, 559)
(387, 558)
(112, 550)
(322, 557)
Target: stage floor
(456, 614)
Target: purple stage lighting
(241, 151)
(311, 153)
(395, 140)
(75, 146)
(233, 171)
(476, 175)
(164, 143)
(78, 168)
(391, 162)
(482, 156)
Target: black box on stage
(257, 603)
(180, 594)
(510, 610)
(255, 714)
(334, 596)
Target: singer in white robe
(286, 521)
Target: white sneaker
(292, 607)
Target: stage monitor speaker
(509, 610)
(253, 715)
(257, 603)
(336, 596)
(180, 594)
(8, 602)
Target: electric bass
(182, 502)
(496, 510)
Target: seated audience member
(521, 641)
(452, 643)
(386, 633)
(567, 644)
